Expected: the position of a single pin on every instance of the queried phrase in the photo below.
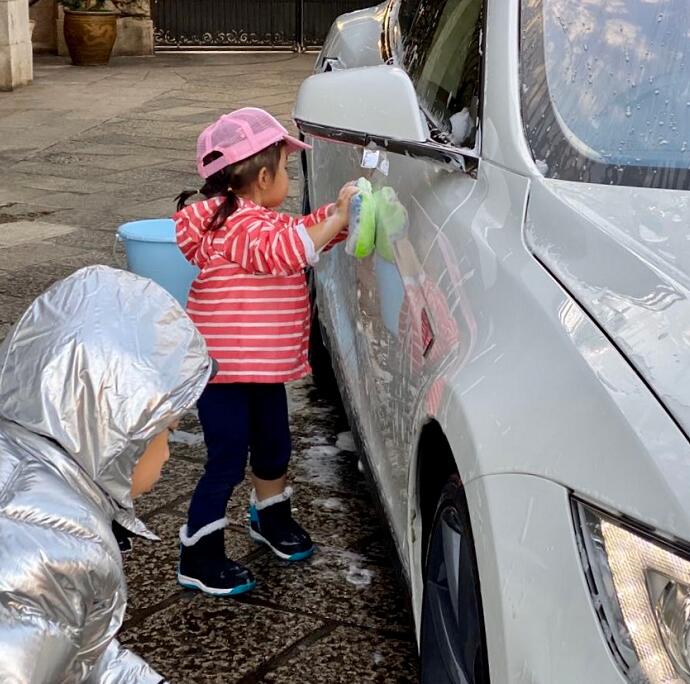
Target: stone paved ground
(83, 150)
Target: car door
(412, 313)
(397, 317)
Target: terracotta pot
(90, 36)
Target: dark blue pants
(238, 419)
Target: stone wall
(44, 13)
(16, 59)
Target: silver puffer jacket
(97, 365)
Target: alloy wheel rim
(451, 631)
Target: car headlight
(641, 591)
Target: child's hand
(341, 213)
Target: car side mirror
(377, 101)
(371, 106)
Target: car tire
(320, 360)
(453, 642)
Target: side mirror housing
(375, 101)
(373, 106)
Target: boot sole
(193, 583)
(260, 539)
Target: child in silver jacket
(97, 368)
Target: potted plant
(90, 31)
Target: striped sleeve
(310, 220)
(189, 232)
(265, 247)
(321, 214)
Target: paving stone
(161, 207)
(170, 147)
(14, 192)
(223, 641)
(31, 254)
(28, 282)
(74, 171)
(116, 156)
(147, 129)
(60, 183)
(156, 174)
(87, 238)
(16, 211)
(21, 232)
(341, 585)
(11, 308)
(361, 656)
(95, 221)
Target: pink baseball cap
(240, 135)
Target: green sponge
(362, 235)
(391, 221)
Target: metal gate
(254, 24)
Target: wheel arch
(437, 457)
(435, 464)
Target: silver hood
(99, 364)
(624, 254)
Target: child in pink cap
(251, 304)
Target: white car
(515, 355)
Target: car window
(406, 12)
(442, 55)
(605, 90)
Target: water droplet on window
(628, 111)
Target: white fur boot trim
(201, 532)
(265, 503)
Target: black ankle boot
(204, 566)
(271, 523)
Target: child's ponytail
(181, 199)
(217, 185)
(227, 208)
(234, 177)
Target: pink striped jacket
(250, 300)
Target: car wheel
(320, 361)
(453, 643)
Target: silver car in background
(515, 357)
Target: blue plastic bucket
(152, 252)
